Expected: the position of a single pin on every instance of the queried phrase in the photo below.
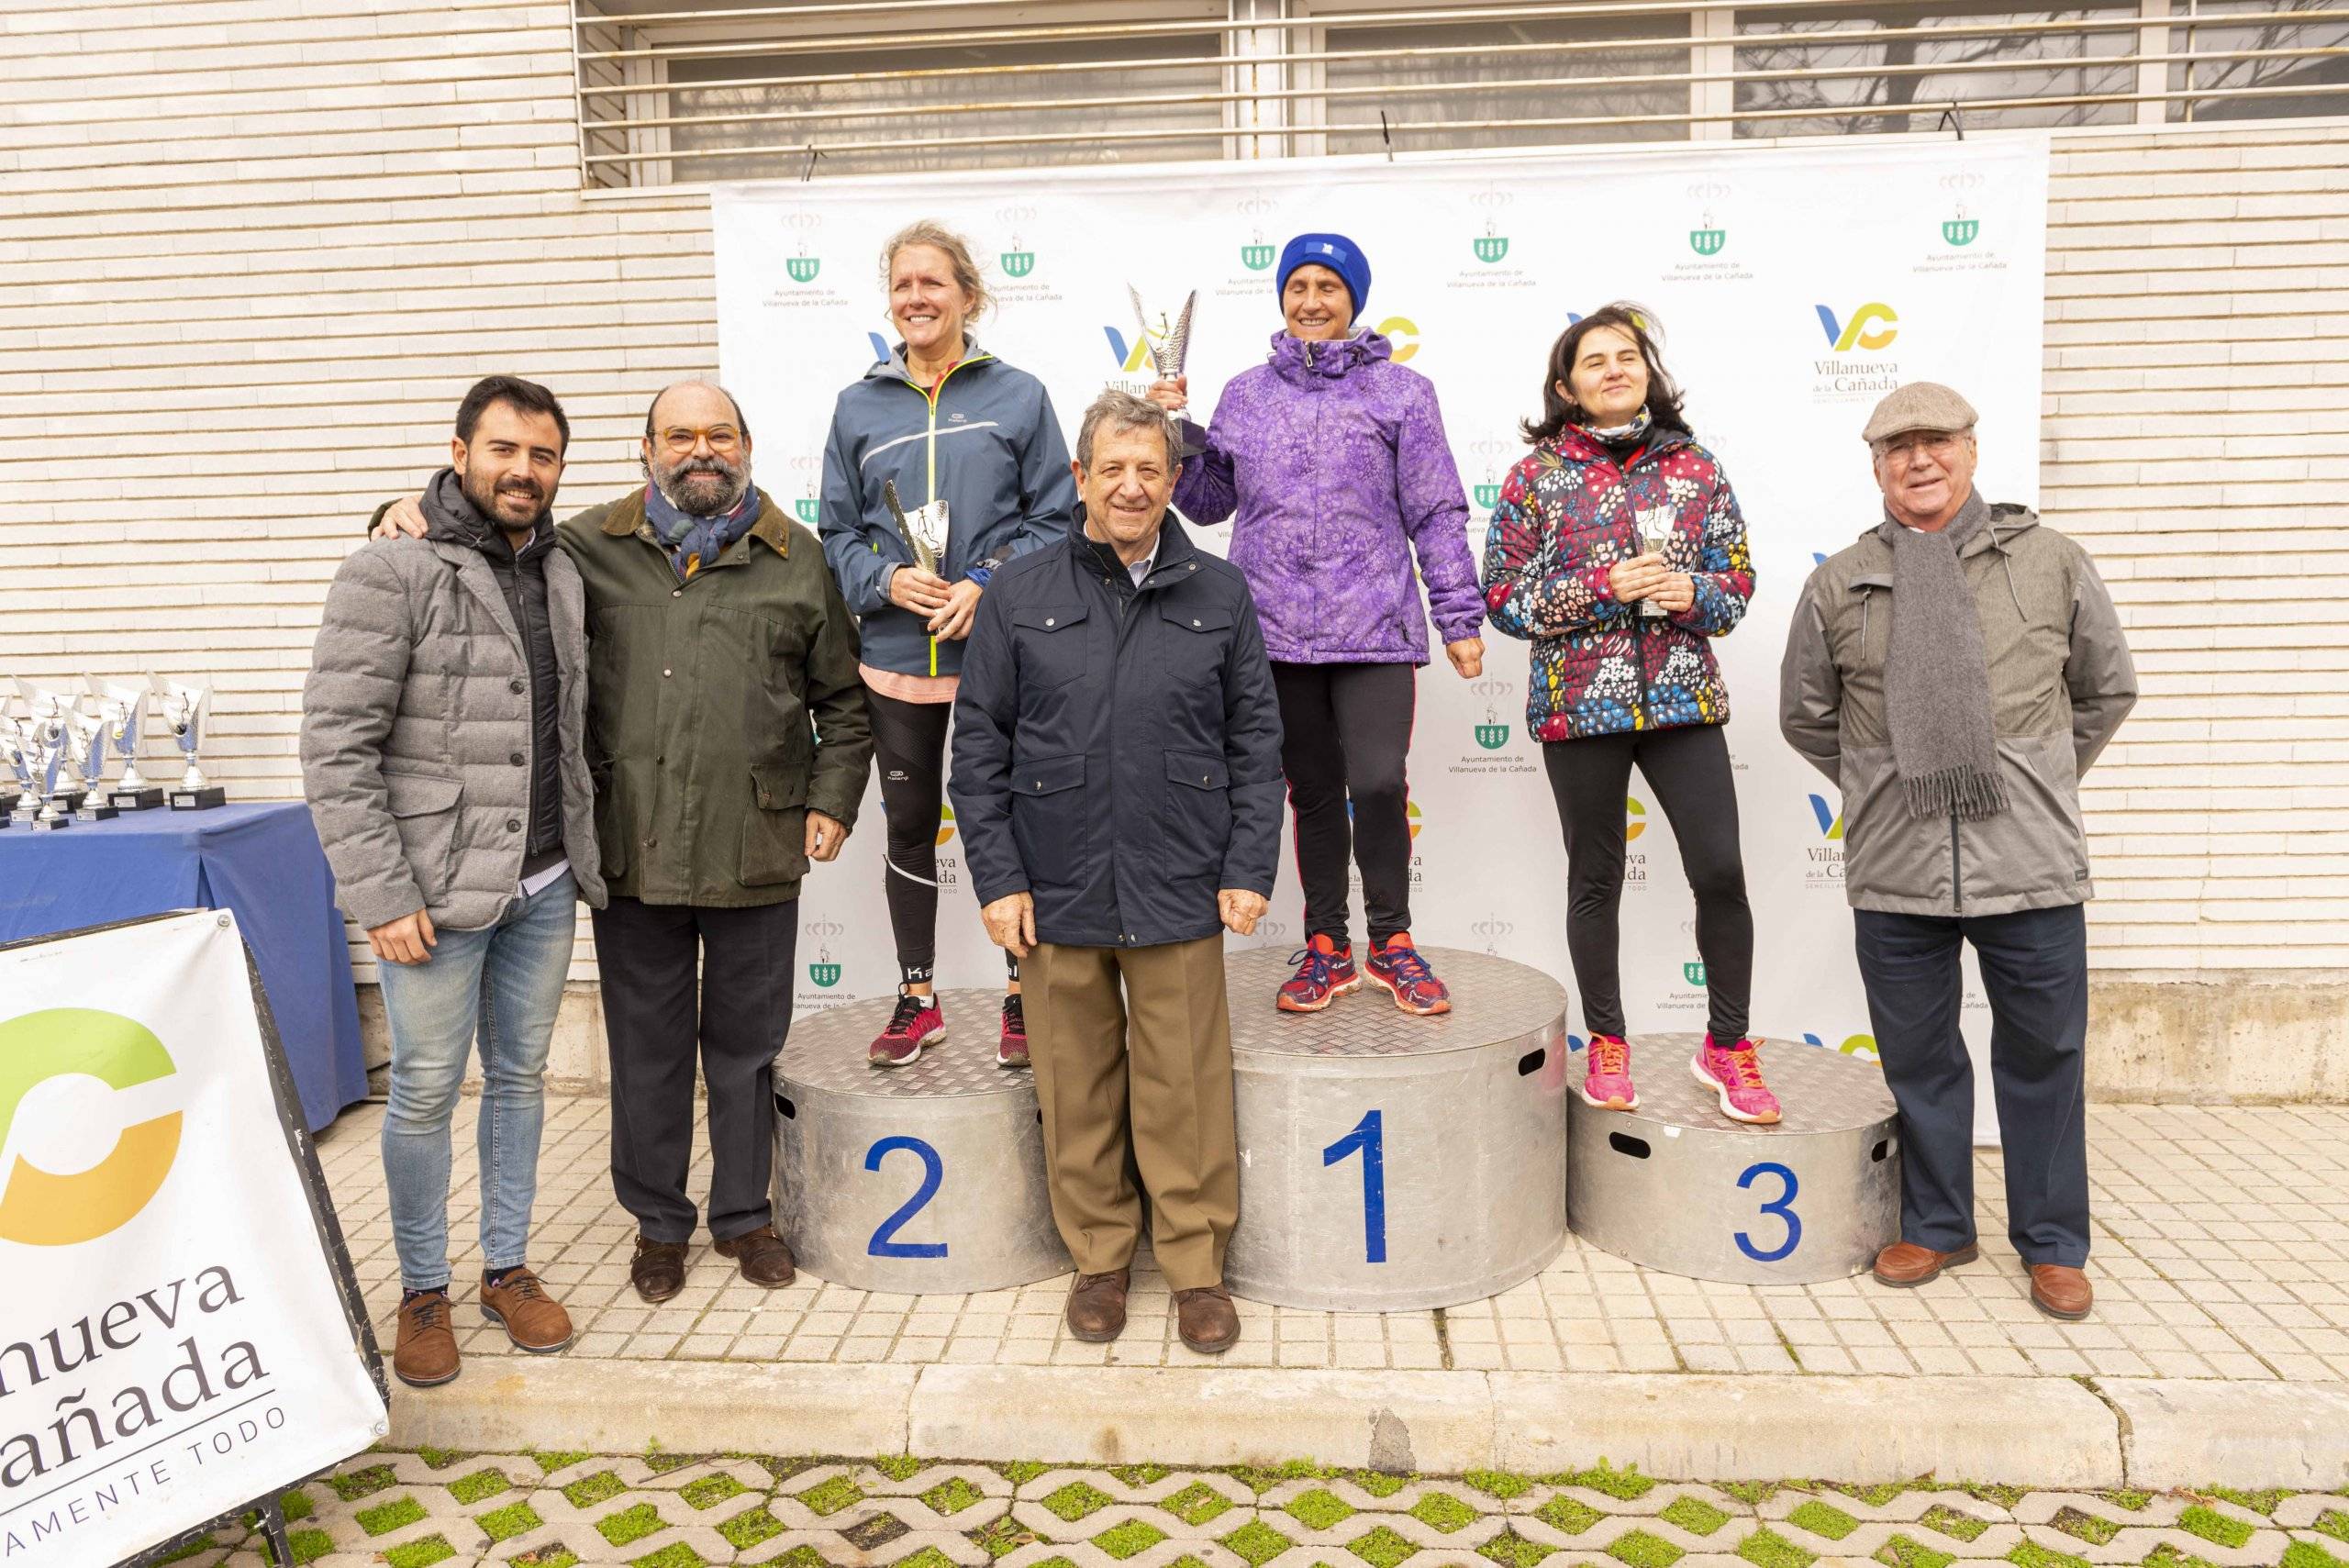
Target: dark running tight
(909, 751)
(1344, 731)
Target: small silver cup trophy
(19, 796)
(1657, 537)
(123, 709)
(923, 529)
(87, 732)
(1169, 344)
(184, 708)
(49, 724)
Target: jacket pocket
(1049, 821)
(611, 822)
(775, 831)
(1198, 815)
(425, 808)
(1047, 655)
(1194, 656)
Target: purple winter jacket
(1334, 456)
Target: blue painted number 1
(1369, 1136)
(933, 1172)
(1782, 1206)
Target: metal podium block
(1390, 1162)
(1676, 1186)
(920, 1180)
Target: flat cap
(1919, 405)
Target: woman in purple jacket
(1334, 458)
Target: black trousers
(655, 1012)
(1688, 769)
(909, 751)
(1345, 730)
(2035, 969)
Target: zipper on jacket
(1957, 874)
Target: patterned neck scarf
(694, 543)
(1621, 436)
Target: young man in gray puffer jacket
(443, 755)
(1955, 672)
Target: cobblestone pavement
(2223, 1251)
(410, 1510)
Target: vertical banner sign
(174, 1342)
(1795, 287)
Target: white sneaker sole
(1285, 1005)
(924, 1043)
(1590, 1099)
(1697, 1066)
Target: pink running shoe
(1324, 970)
(918, 1022)
(1734, 1072)
(1608, 1086)
(1012, 1043)
(1399, 968)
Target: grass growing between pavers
(1139, 1475)
(1822, 1519)
(2214, 1526)
(548, 1557)
(1442, 1511)
(1943, 1518)
(1196, 1504)
(1129, 1540)
(951, 1497)
(1379, 1484)
(2332, 1522)
(385, 1517)
(1511, 1549)
(1001, 1536)
(2261, 1502)
(828, 1498)
(471, 1489)
(358, 1483)
(1638, 1549)
(2031, 1555)
(2308, 1554)
(1319, 1509)
(1382, 1547)
(1694, 1515)
(420, 1553)
(750, 1526)
(1500, 1484)
(632, 1525)
(590, 1490)
(1769, 1549)
(1075, 1500)
(1256, 1544)
(1904, 1551)
(1568, 1516)
(2079, 1525)
(708, 1491)
(506, 1523)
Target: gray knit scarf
(1937, 678)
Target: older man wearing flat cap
(1955, 671)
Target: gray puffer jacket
(2061, 682)
(416, 744)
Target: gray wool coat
(415, 734)
(2061, 682)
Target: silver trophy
(924, 527)
(49, 724)
(20, 795)
(1658, 534)
(87, 728)
(184, 709)
(123, 707)
(1169, 345)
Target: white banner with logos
(1795, 286)
(174, 1342)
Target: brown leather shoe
(657, 1269)
(2060, 1292)
(763, 1258)
(1207, 1319)
(534, 1320)
(1905, 1263)
(1096, 1305)
(426, 1355)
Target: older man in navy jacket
(1118, 782)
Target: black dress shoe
(657, 1269)
(763, 1258)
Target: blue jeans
(503, 983)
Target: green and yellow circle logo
(41, 1208)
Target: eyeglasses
(721, 439)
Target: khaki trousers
(1138, 1080)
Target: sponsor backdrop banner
(1795, 287)
(173, 1341)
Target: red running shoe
(918, 1022)
(1011, 1045)
(1324, 970)
(1399, 968)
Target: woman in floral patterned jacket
(1618, 549)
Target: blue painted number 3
(1370, 1137)
(933, 1172)
(1782, 1206)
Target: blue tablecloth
(263, 863)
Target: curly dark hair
(1636, 322)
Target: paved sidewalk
(2221, 1253)
(665, 1511)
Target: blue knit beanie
(1335, 252)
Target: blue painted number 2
(1368, 1136)
(1783, 1206)
(933, 1172)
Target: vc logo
(39, 1208)
(1860, 1045)
(1861, 331)
(1402, 335)
(945, 825)
(1830, 821)
(1634, 818)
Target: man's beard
(702, 499)
(481, 492)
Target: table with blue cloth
(262, 863)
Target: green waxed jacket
(721, 710)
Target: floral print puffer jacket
(1568, 512)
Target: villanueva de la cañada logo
(1825, 859)
(803, 267)
(1855, 368)
(1960, 230)
(1017, 261)
(1488, 453)
(824, 971)
(1708, 238)
(805, 468)
(39, 1207)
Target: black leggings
(909, 750)
(1688, 768)
(1345, 729)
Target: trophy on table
(49, 723)
(18, 798)
(1658, 534)
(923, 529)
(1169, 346)
(85, 729)
(184, 709)
(123, 709)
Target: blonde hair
(930, 232)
